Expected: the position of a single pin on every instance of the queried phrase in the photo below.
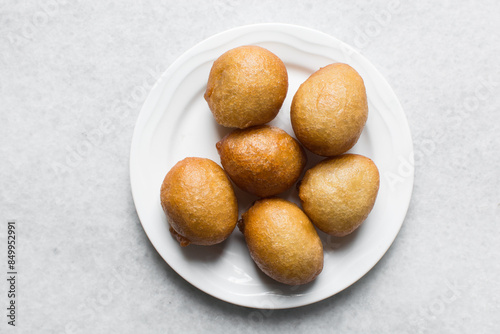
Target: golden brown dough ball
(263, 160)
(329, 110)
(246, 86)
(282, 241)
(338, 193)
(199, 201)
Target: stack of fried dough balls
(245, 90)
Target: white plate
(175, 122)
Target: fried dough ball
(329, 110)
(338, 193)
(199, 202)
(282, 241)
(262, 160)
(246, 86)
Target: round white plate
(175, 122)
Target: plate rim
(144, 115)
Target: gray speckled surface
(76, 72)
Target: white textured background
(69, 69)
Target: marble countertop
(85, 264)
